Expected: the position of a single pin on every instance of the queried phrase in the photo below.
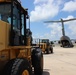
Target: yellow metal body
(25, 72)
(43, 46)
(4, 32)
(5, 0)
(10, 52)
(9, 37)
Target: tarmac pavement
(62, 62)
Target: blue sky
(45, 10)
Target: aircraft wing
(51, 21)
(69, 20)
(60, 20)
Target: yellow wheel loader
(17, 57)
(44, 44)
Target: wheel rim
(25, 72)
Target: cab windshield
(5, 15)
(5, 12)
(45, 41)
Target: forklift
(17, 56)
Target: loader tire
(47, 51)
(19, 67)
(38, 70)
(51, 50)
(37, 60)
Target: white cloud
(44, 9)
(71, 27)
(39, 1)
(69, 17)
(54, 34)
(56, 29)
(50, 8)
(70, 6)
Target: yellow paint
(5, 0)
(25, 72)
(4, 35)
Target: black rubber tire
(51, 49)
(38, 69)
(17, 66)
(7, 67)
(47, 51)
(72, 45)
(37, 60)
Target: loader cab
(14, 14)
(46, 41)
